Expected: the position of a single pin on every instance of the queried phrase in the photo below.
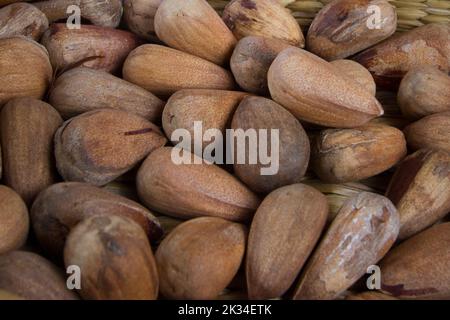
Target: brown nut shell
(418, 268)
(22, 19)
(115, 259)
(105, 13)
(63, 205)
(214, 244)
(139, 16)
(432, 132)
(286, 142)
(90, 46)
(27, 129)
(265, 18)
(33, 277)
(14, 220)
(100, 145)
(370, 295)
(194, 189)
(356, 72)
(390, 60)
(251, 60)
(346, 155)
(424, 91)
(25, 69)
(194, 27)
(315, 91)
(345, 27)
(214, 108)
(361, 234)
(420, 189)
(84, 89)
(164, 71)
(284, 231)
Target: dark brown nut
(289, 154)
(139, 16)
(346, 155)
(418, 268)
(25, 69)
(420, 189)
(192, 190)
(431, 132)
(424, 91)
(200, 257)
(361, 234)
(370, 295)
(251, 60)
(105, 13)
(60, 207)
(315, 91)
(164, 71)
(345, 27)
(14, 221)
(356, 72)
(214, 108)
(284, 231)
(99, 146)
(196, 28)
(6, 2)
(32, 277)
(390, 60)
(115, 259)
(265, 18)
(90, 46)
(22, 19)
(27, 129)
(84, 89)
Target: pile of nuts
(94, 206)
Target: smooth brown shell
(63, 205)
(139, 16)
(418, 268)
(33, 277)
(200, 257)
(84, 89)
(346, 155)
(25, 69)
(341, 28)
(90, 46)
(105, 13)
(358, 73)
(265, 18)
(315, 91)
(361, 234)
(115, 259)
(27, 128)
(194, 27)
(22, 19)
(14, 221)
(214, 108)
(100, 145)
(431, 132)
(163, 71)
(292, 152)
(420, 189)
(192, 190)
(390, 60)
(251, 60)
(284, 231)
(424, 91)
